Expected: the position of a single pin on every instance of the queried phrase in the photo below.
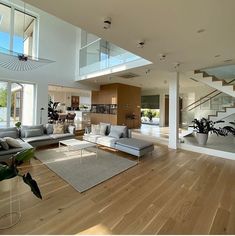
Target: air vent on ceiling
(194, 80)
(128, 75)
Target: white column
(162, 110)
(174, 111)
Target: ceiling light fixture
(140, 44)
(201, 31)
(20, 61)
(107, 23)
(162, 57)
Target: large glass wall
(17, 30)
(5, 23)
(16, 103)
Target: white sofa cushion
(107, 141)
(118, 131)
(91, 137)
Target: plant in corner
(10, 170)
(205, 126)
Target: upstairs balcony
(102, 58)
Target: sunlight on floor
(97, 229)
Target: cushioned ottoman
(133, 146)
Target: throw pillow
(103, 129)
(115, 133)
(13, 142)
(95, 129)
(32, 133)
(120, 129)
(49, 129)
(58, 129)
(4, 144)
(108, 127)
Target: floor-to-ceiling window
(16, 103)
(17, 29)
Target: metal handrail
(203, 98)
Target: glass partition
(100, 55)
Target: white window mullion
(8, 103)
(12, 27)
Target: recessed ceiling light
(229, 60)
(201, 31)
(140, 43)
(218, 55)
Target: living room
(72, 100)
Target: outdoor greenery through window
(16, 103)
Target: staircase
(220, 115)
(214, 82)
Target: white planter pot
(202, 138)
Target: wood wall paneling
(128, 99)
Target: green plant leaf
(33, 185)
(7, 172)
(24, 155)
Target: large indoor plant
(203, 127)
(10, 169)
(230, 129)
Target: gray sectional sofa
(33, 136)
(119, 138)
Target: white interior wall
(58, 41)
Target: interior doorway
(167, 110)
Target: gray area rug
(84, 172)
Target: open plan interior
(117, 117)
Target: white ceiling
(167, 26)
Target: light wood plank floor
(170, 192)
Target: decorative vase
(202, 138)
(10, 212)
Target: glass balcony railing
(101, 55)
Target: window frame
(9, 98)
(24, 10)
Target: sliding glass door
(16, 103)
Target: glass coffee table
(74, 144)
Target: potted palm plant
(203, 127)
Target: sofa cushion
(115, 133)
(32, 133)
(4, 144)
(91, 137)
(103, 129)
(95, 129)
(61, 136)
(15, 150)
(29, 127)
(134, 143)
(108, 127)
(118, 131)
(49, 128)
(12, 142)
(58, 129)
(37, 138)
(9, 132)
(107, 141)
